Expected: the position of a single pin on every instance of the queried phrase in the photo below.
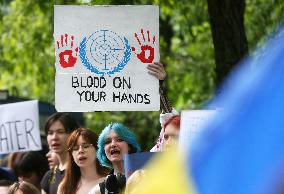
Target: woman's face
(84, 153)
(57, 137)
(171, 135)
(115, 147)
(52, 159)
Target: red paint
(148, 36)
(67, 54)
(70, 62)
(61, 39)
(66, 36)
(142, 32)
(136, 36)
(154, 38)
(72, 39)
(146, 47)
(142, 56)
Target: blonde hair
(25, 187)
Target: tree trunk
(229, 37)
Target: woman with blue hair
(114, 142)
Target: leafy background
(27, 53)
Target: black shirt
(51, 180)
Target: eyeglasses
(85, 147)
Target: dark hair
(6, 183)
(13, 159)
(65, 119)
(25, 187)
(73, 173)
(32, 161)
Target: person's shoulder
(45, 181)
(50, 177)
(59, 174)
(46, 175)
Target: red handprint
(67, 53)
(146, 49)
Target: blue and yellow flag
(242, 150)
(166, 174)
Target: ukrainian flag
(166, 174)
(242, 150)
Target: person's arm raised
(157, 69)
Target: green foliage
(188, 55)
(27, 54)
(262, 19)
(186, 49)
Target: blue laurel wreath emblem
(104, 52)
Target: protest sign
(192, 122)
(136, 161)
(102, 54)
(19, 127)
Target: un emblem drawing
(104, 52)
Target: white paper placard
(102, 54)
(192, 122)
(19, 127)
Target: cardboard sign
(192, 122)
(19, 127)
(102, 54)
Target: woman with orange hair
(83, 171)
(171, 131)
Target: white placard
(192, 122)
(19, 127)
(102, 54)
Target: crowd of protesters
(80, 161)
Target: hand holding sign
(157, 69)
(67, 54)
(146, 48)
